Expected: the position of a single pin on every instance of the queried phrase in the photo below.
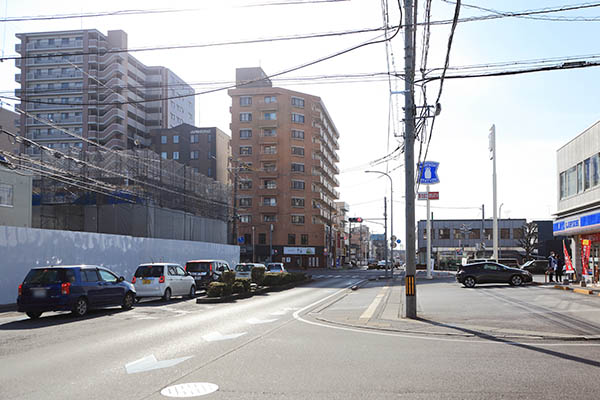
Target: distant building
(284, 146)
(15, 197)
(80, 93)
(7, 122)
(205, 150)
(472, 238)
(578, 197)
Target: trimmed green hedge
(241, 286)
(228, 277)
(283, 278)
(258, 275)
(215, 289)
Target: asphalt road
(319, 341)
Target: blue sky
(534, 114)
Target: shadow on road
(487, 336)
(58, 319)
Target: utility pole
(492, 137)
(234, 218)
(409, 159)
(385, 236)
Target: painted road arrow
(150, 362)
(217, 336)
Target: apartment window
(176, 139)
(51, 42)
(245, 101)
(64, 41)
(298, 118)
(572, 181)
(6, 195)
(269, 149)
(580, 177)
(298, 102)
(297, 167)
(518, 233)
(304, 239)
(444, 233)
(270, 184)
(269, 201)
(194, 155)
(291, 238)
(163, 140)
(245, 202)
(245, 117)
(297, 134)
(298, 202)
(269, 116)
(269, 166)
(488, 234)
(504, 233)
(458, 234)
(297, 151)
(268, 132)
(64, 85)
(245, 184)
(175, 155)
(297, 219)
(194, 138)
(269, 218)
(245, 133)
(245, 150)
(163, 155)
(270, 99)
(595, 160)
(209, 172)
(299, 185)
(246, 218)
(246, 166)
(475, 234)
(262, 238)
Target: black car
(536, 266)
(206, 271)
(489, 272)
(75, 288)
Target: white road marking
(256, 321)
(217, 336)
(337, 276)
(371, 309)
(279, 313)
(150, 362)
(189, 389)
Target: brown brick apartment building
(284, 146)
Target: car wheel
(516, 280)
(128, 301)
(81, 307)
(33, 314)
(167, 295)
(192, 292)
(469, 282)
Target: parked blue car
(75, 288)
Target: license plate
(146, 281)
(39, 293)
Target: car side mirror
(121, 279)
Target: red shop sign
(594, 237)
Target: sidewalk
(381, 308)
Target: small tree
(529, 240)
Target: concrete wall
(24, 248)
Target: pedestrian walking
(559, 270)
(551, 266)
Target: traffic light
(357, 219)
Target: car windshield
(243, 268)
(202, 266)
(45, 276)
(275, 268)
(149, 271)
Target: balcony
(18, 78)
(58, 44)
(54, 106)
(18, 47)
(39, 77)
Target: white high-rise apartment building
(76, 81)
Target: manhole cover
(189, 389)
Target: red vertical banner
(568, 263)
(586, 246)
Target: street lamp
(391, 216)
